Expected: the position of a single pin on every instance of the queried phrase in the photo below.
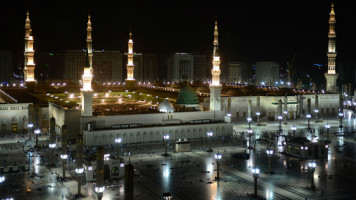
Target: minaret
(89, 43)
(29, 66)
(87, 77)
(215, 86)
(130, 81)
(331, 76)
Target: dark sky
(249, 30)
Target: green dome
(187, 96)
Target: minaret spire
(216, 58)
(89, 42)
(29, 65)
(216, 38)
(87, 77)
(331, 76)
(215, 86)
(130, 65)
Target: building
(139, 67)
(5, 65)
(199, 68)
(182, 65)
(267, 73)
(268, 106)
(235, 72)
(150, 67)
(107, 65)
(50, 66)
(239, 72)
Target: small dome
(177, 85)
(187, 96)
(158, 83)
(203, 88)
(234, 92)
(166, 106)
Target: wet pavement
(192, 175)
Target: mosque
(134, 113)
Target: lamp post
(312, 166)
(316, 114)
(64, 161)
(327, 126)
(249, 131)
(166, 138)
(30, 126)
(341, 115)
(285, 113)
(2, 179)
(52, 147)
(100, 190)
(255, 173)
(294, 130)
(79, 172)
(308, 117)
(280, 123)
(249, 119)
(209, 134)
(217, 158)
(269, 155)
(37, 132)
(258, 117)
(118, 142)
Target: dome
(203, 88)
(234, 92)
(176, 85)
(187, 96)
(166, 106)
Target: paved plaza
(191, 175)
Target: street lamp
(341, 115)
(280, 123)
(304, 151)
(100, 190)
(209, 134)
(52, 147)
(312, 166)
(64, 159)
(79, 172)
(285, 116)
(294, 129)
(249, 131)
(37, 132)
(255, 172)
(327, 126)
(218, 158)
(2, 179)
(166, 137)
(258, 117)
(249, 119)
(316, 114)
(118, 142)
(308, 117)
(269, 155)
(30, 126)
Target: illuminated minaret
(130, 65)
(215, 86)
(29, 66)
(87, 77)
(331, 76)
(89, 43)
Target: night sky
(249, 30)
